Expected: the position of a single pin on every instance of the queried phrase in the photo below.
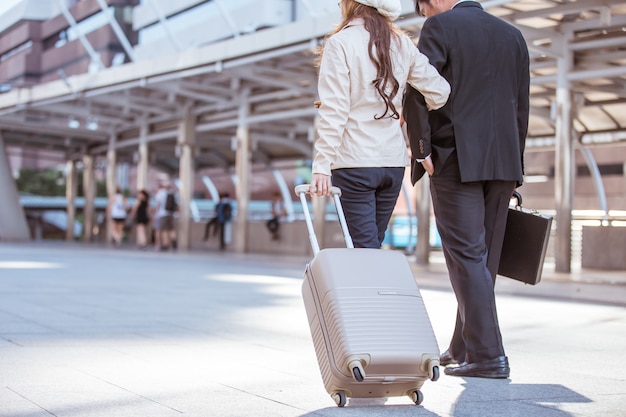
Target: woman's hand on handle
(320, 185)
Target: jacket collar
(355, 22)
(467, 3)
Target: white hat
(388, 8)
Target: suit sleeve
(415, 109)
(431, 56)
(433, 44)
(426, 79)
(523, 101)
(415, 114)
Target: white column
(111, 179)
(70, 196)
(13, 225)
(242, 168)
(143, 163)
(564, 163)
(186, 142)
(89, 191)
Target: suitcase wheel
(417, 397)
(435, 373)
(356, 371)
(340, 398)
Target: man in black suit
(473, 150)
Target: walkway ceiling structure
(267, 80)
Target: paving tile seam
(31, 401)
(261, 397)
(113, 384)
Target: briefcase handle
(516, 195)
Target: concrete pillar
(89, 191)
(564, 163)
(422, 207)
(13, 225)
(242, 168)
(71, 188)
(143, 163)
(111, 179)
(186, 142)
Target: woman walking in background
(117, 209)
(141, 214)
(364, 69)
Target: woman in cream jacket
(364, 69)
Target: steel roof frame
(277, 66)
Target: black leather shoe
(494, 368)
(446, 359)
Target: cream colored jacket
(348, 134)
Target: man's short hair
(417, 6)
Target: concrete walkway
(88, 332)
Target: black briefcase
(525, 243)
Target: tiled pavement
(87, 331)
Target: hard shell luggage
(372, 335)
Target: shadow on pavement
(482, 397)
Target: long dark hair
(381, 32)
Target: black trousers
(368, 197)
(471, 219)
(212, 224)
(273, 225)
(218, 228)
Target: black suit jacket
(485, 60)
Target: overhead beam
(51, 130)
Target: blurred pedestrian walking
(117, 210)
(278, 214)
(165, 207)
(141, 215)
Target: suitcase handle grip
(302, 190)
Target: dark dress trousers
(476, 142)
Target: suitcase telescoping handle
(302, 190)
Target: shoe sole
(492, 375)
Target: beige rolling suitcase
(372, 335)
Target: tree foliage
(51, 183)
